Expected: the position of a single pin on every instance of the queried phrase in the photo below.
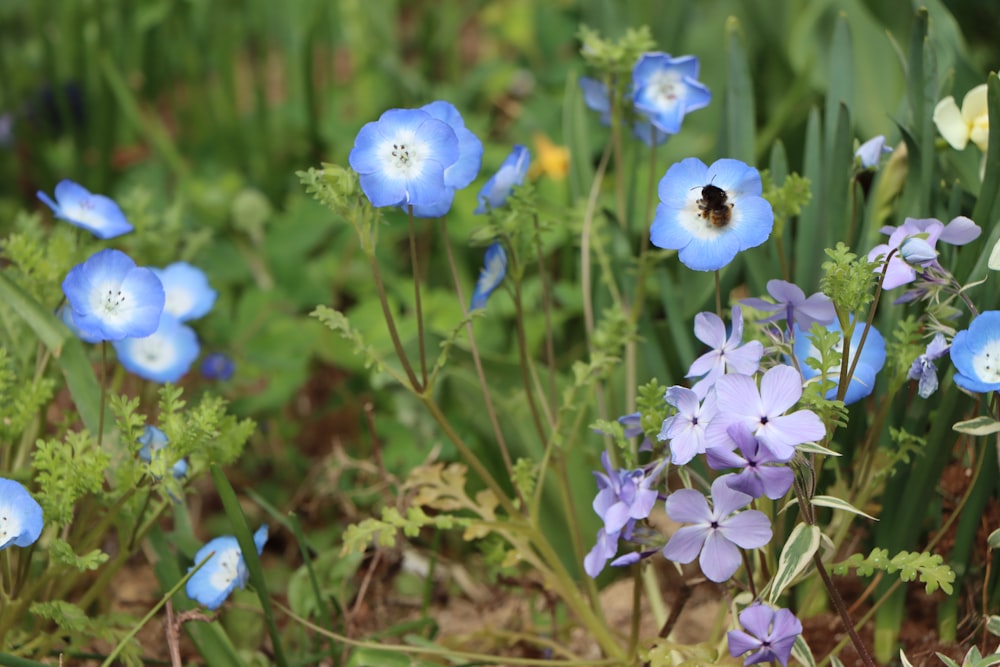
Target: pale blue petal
(685, 545)
(21, 519)
(510, 174)
(98, 214)
(737, 178)
(164, 356)
(188, 294)
(710, 254)
(750, 529)
(492, 274)
(688, 506)
(675, 187)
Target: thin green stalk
(391, 323)
(417, 279)
(718, 294)
(477, 361)
(618, 149)
(550, 353)
(104, 393)
(845, 374)
(524, 361)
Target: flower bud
(917, 251)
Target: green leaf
(982, 425)
(739, 105)
(993, 625)
(838, 504)
(795, 558)
(903, 659)
(802, 653)
(815, 448)
(994, 539)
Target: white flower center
(666, 87)
(155, 352)
(404, 155)
(83, 211)
(986, 362)
(178, 302)
(226, 569)
(108, 300)
(10, 525)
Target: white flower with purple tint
(792, 305)
(718, 532)
(959, 231)
(686, 429)
(769, 635)
(870, 153)
(728, 354)
(924, 370)
(763, 411)
(762, 474)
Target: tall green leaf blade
(739, 105)
(795, 557)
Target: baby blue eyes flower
(112, 298)
(217, 366)
(718, 532)
(464, 170)
(869, 364)
(163, 356)
(976, 353)
(709, 214)
(224, 571)
(20, 515)
(769, 635)
(595, 96)
(924, 369)
(665, 89)
(153, 440)
(401, 158)
(188, 294)
(499, 186)
(870, 153)
(492, 274)
(98, 214)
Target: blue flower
(217, 366)
(492, 274)
(188, 294)
(665, 88)
(870, 153)
(710, 213)
(924, 369)
(163, 356)
(464, 170)
(975, 353)
(770, 635)
(401, 158)
(499, 186)
(112, 298)
(153, 440)
(21, 518)
(224, 571)
(595, 96)
(98, 214)
(870, 363)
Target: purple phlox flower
(188, 294)
(959, 231)
(595, 96)
(770, 634)
(224, 571)
(727, 354)
(632, 427)
(163, 356)
(98, 214)
(498, 187)
(155, 440)
(112, 298)
(21, 519)
(975, 352)
(492, 274)
(717, 533)
(710, 213)
(624, 495)
(871, 360)
(464, 170)
(217, 366)
(604, 550)
(763, 473)
(870, 153)
(664, 89)
(401, 158)
(763, 411)
(792, 305)
(924, 369)
(686, 429)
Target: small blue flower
(492, 274)
(217, 366)
(188, 294)
(163, 356)
(224, 571)
(595, 96)
(465, 168)
(665, 89)
(916, 251)
(401, 158)
(924, 369)
(153, 440)
(21, 518)
(112, 298)
(98, 214)
(499, 186)
(711, 213)
(65, 313)
(870, 153)
(871, 361)
(976, 353)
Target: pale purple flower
(686, 429)
(925, 370)
(624, 495)
(790, 304)
(604, 550)
(727, 355)
(959, 231)
(770, 635)
(870, 153)
(763, 473)
(718, 532)
(763, 411)
(916, 251)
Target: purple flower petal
(685, 545)
(719, 557)
(726, 500)
(750, 529)
(688, 506)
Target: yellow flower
(972, 123)
(553, 160)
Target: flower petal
(719, 557)
(685, 545)
(688, 506)
(950, 123)
(750, 529)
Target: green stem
(522, 350)
(391, 324)
(417, 278)
(550, 353)
(104, 393)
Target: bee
(715, 205)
